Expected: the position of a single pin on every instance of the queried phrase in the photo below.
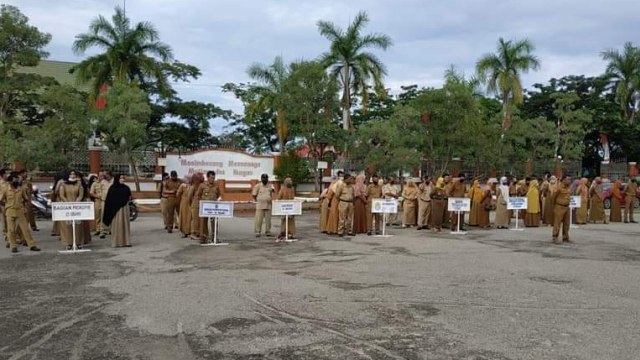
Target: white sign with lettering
(575, 202)
(68, 211)
(287, 207)
(213, 209)
(517, 203)
(384, 206)
(459, 204)
(228, 165)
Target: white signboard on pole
(70, 211)
(384, 206)
(286, 207)
(216, 209)
(575, 202)
(459, 204)
(517, 203)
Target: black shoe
(8, 245)
(97, 233)
(14, 250)
(24, 244)
(79, 247)
(633, 222)
(69, 247)
(102, 236)
(128, 245)
(34, 248)
(369, 233)
(341, 235)
(35, 229)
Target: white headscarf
(504, 188)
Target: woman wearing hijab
(184, 213)
(324, 210)
(57, 182)
(360, 206)
(486, 204)
(438, 205)
(477, 195)
(71, 190)
(547, 215)
(92, 180)
(532, 216)
(503, 216)
(194, 205)
(287, 192)
(409, 204)
(116, 212)
(596, 206)
(615, 214)
(583, 192)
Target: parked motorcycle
(41, 205)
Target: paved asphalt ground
(496, 294)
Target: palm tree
(130, 53)
(350, 63)
(501, 72)
(623, 71)
(272, 78)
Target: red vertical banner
(101, 100)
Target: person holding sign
(438, 205)
(374, 191)
(630, 198)
(345, 195)
(532, 216)
(12, 199)
(287, 193)
(116, 212)
(561, 199)
(71, 190)
(263, 195)
(207, 191)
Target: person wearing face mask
(374, 191)
(194, 203)
(13, 199)
(71, 190)
(263, 195)
(596, 199)
(208, 191)
(344, 195)
(116, 212)
(561, 199)
(169, 192)
(287, 192)
(390, 191)
(438, 205)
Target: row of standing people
(180, 204)
(16, 214)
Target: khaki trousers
(345, 213)
(170, 207)
(262, 215)
(628, 208)
(561, 216)
(204, 227)
(371, 218)
(18, 223)
(98, 207)
(195, 221)
(424, 212)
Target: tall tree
(623, 70)
(130, 53)
(271, 79)
(351, 63)
(501, 72)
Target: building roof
(58, 70)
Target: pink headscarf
(359, 189)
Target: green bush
(294, 167)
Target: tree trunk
(346, 106)
(132, 163)
(505, 111)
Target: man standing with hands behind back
(170, 206)
(560, 200)
(263, 195)
(629, 200)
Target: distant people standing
(169, 194)
(630, 198)
(438, 205)
(390, 191)
(409, 202)
(344, 195)
(617, 199)
(424, 203)
(194, 205)
(334, 213)
(183, 203)
(287, 192)
(4, 185)
(561, 199)
(116, 212)
(596, 199)
(263, 195)
(582, 190)
(374, 191)
(95, 194)
(28, 188)
(107, 181)
(503, 216)
(71, 190)
(360, 206)
(532, 215)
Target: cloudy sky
(223, 38)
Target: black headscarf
(117, 197)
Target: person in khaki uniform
(424, 203)
(560, 200)
(287, 223)
(374, 191)
(98, 195)
(210, 191)
(170, 205)
(390, 191)
(4, 185)
(456, 190)
(630, 198)
(344, 195)
(28, 189)
(106, 182)
(263, 195)
(13, 199)
(194, 205)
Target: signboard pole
(286, 227)
(458, 232)
(572, 225)
(384, 226)
(215, 242)
(517, 228)
(74, 248)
